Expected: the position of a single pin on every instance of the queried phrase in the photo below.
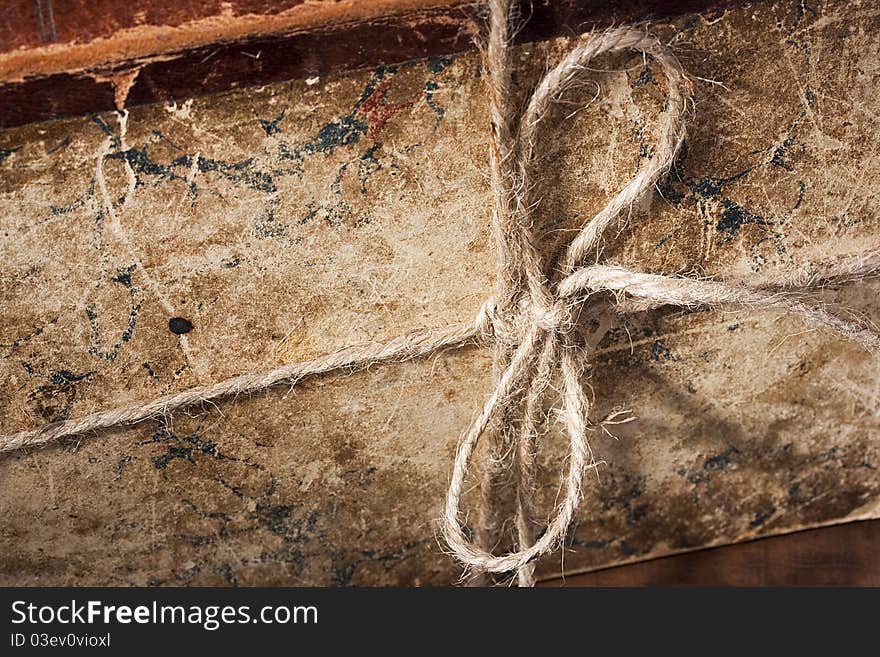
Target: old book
(181, 243)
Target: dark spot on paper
(735, 217)
(65, 377)
(174, 452)
(646, 77)
(272, 127)
(709, 186)
(762, 516)
(123, 276)
(5, 153)
(437, 64)
(179, 325)
(660, 352)
(120, 466)
(344, 132)
(57, 147)
(105, 128)
(430, 88)
(721, 461)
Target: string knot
(533, 325)
(487, 322)
(554, 319)
(535, 337)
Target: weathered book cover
(180, 244)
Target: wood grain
(42, 37)
(87, 63)
(842, 555)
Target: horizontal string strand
(348, 359)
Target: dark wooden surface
(843, 555)
(26, 23)
(228, 63)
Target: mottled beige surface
(293, 219)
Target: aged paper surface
(287, 221)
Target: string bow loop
(534, 317)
